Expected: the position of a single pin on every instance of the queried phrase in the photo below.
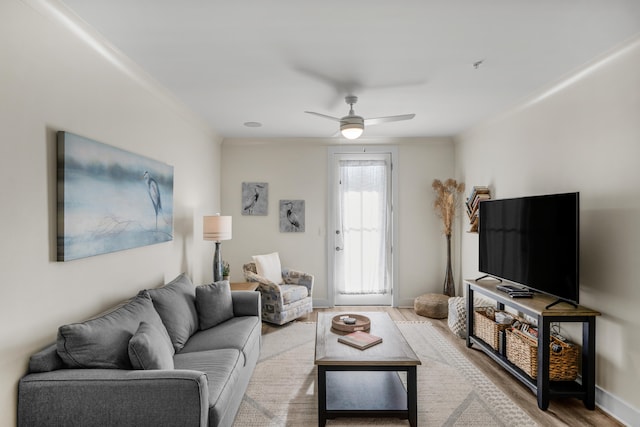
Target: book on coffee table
(360, 339)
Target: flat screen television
(533, 241)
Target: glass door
(361, 232)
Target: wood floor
(561, 412)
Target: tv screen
(533, 241)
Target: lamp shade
(216, 227)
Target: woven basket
(522, 351)
(485, 326)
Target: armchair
(282, 303)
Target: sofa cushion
(222, 368)
(103, 342)
(234, 333)
(268, 266)
(214, 304)
(151, 348)
(176, 304)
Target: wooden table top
(536, 305)
(244, 286)
(392, 351)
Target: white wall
(583, 137)
(297, 169)
(50, 79)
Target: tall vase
(449, 286)
(217, 264)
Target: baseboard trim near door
(324, 303)
(321, 303)
(406, 303)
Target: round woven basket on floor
(435, 306)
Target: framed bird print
(292, 216)
(255, 198)
(109, 199)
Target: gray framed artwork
(110, 199)
(255, 198)
(292, 216)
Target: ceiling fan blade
(377, 120)
(335, 119)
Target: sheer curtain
(364, 228)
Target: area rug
(451, 390)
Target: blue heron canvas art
(110, 199)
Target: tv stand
(539, 307)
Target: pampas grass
(447, 196)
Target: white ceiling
(234, 61)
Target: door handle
(338, 248)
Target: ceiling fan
(352, 125)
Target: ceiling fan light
(352, 130)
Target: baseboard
(324, 303)
(617, 408)
(321, 303)
(406, 303)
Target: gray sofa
(179, 355)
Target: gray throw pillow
(176, 304)
(150, 348)
(214, 304)
(103, 342)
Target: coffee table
(365, 383)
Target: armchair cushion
(214, 304)
(292, 293)
(269, 267)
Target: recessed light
(252, 124)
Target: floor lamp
(216, 228)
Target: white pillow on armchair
(268, 266)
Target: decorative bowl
(362, 323)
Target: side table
(244, 286)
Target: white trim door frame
(334, 154)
